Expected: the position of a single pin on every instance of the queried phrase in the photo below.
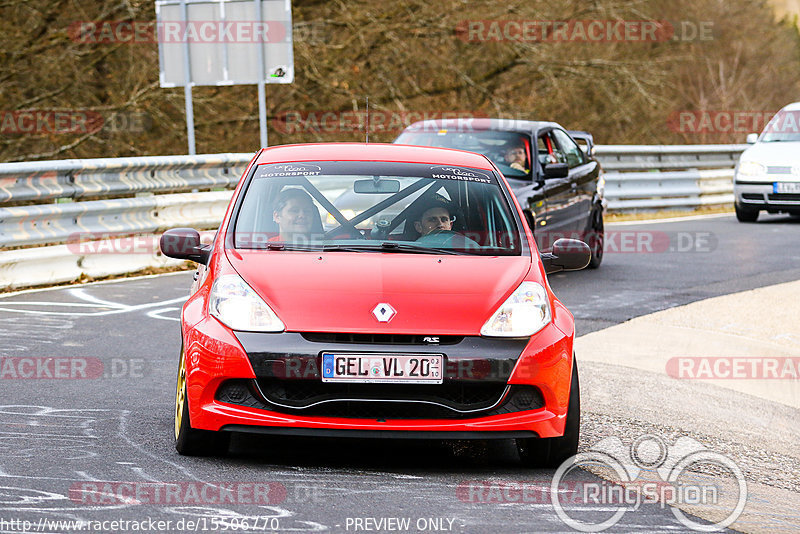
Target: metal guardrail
(58, 223)
(637, 177)
(115, 177)
(668, 176)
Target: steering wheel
(446, 239)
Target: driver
(516, 158)
(294, 213)
(435, 226)
(435, 219)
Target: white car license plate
(786, 187)
(386, 368)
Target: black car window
(549, 150)
(574, 154)
(510, 151)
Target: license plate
(385, 368)
(786, 187)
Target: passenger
(294, 213)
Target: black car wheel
(595, 237)
(552, 452)
(191, 441)
(745, 214)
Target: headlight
(238, 307)
(523, 314)
(752, 168)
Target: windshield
(784, 126)
(510, 151)
(376, 206)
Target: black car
(557, 183)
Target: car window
(510, 151)
(549, 150)
(574, 154)
(783, 127)
(376, 207)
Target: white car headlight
(523, 314)
(238, 307)
(752, 168)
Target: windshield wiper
(388, 246)
(391, 246)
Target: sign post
(224, 42)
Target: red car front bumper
(215, 355)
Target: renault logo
(383, 312)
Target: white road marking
(86, 476)
(156, 314)
(100, 283)
(115, 308)
(139, 471)
(670, 219)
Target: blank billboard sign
(223, 37)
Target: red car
(426, 313)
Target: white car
(767, 176)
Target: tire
(552, 452)
(595, 238)
(745, 214)
(191, 441)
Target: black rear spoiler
(584, 138)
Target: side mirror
(184, 244)
(567, 255)
(556, 170)
(752, 138)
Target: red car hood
(338, 291)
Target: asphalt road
(72, 439)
